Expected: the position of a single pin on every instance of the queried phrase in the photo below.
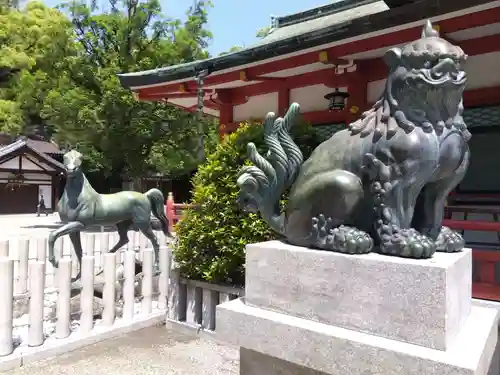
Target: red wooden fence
(484, 285)
(174, 211)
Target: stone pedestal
(315, 312)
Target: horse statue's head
(424, 87)
(73, 163)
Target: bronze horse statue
(81, 207)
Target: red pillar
(224, 98)
(225, 118)
(170, 211)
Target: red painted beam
(386, 40)
(372, 69)
(486, 255)
(193, 108)
(488, 226)
(376, 68)
(164, 95)
(472, 98)
(481, 97)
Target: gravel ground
(151, 351)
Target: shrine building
(338, 48)
(28, 168)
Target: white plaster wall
(27, 164)
(30, 166)
(374, 90)
(11, 164)
(257, 107)
(41, 163)
(311, 98)
(482, 70)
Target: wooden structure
(25, 173)
(340, 46)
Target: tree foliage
(231, 50)
(67, 62)
(212, 236)
(31, 40)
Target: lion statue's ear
(392, 57)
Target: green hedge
(212, 237)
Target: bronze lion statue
(381, 184)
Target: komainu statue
(382, 182)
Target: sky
(235, 22)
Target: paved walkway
(151, 351)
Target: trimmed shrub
(212, 236)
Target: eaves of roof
(300, 36)
(22, 143)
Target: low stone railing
(192, 304)
(40, 320)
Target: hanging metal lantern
(337, 100)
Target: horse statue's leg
(150, 235)
(122, 227)
(74, 226)
(77, 246)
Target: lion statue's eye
(427, 64)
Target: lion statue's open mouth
(424, 89)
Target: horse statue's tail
(157, 201)
(262, 184)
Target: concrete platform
(418, 301)
(317, 347)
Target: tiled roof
(44, 146)
(335, 15)
(313, 28)
(322, 17)
(19, 144)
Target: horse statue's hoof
(156, 269)
(54, 262)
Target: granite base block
(255, 363)
(322, 348)
(418, 301)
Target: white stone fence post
(39, 304)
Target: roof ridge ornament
(428, 31)
(274, 22)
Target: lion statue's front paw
(407, 243)
(342, 239)
(449, 241)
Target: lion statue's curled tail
(262, 184)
